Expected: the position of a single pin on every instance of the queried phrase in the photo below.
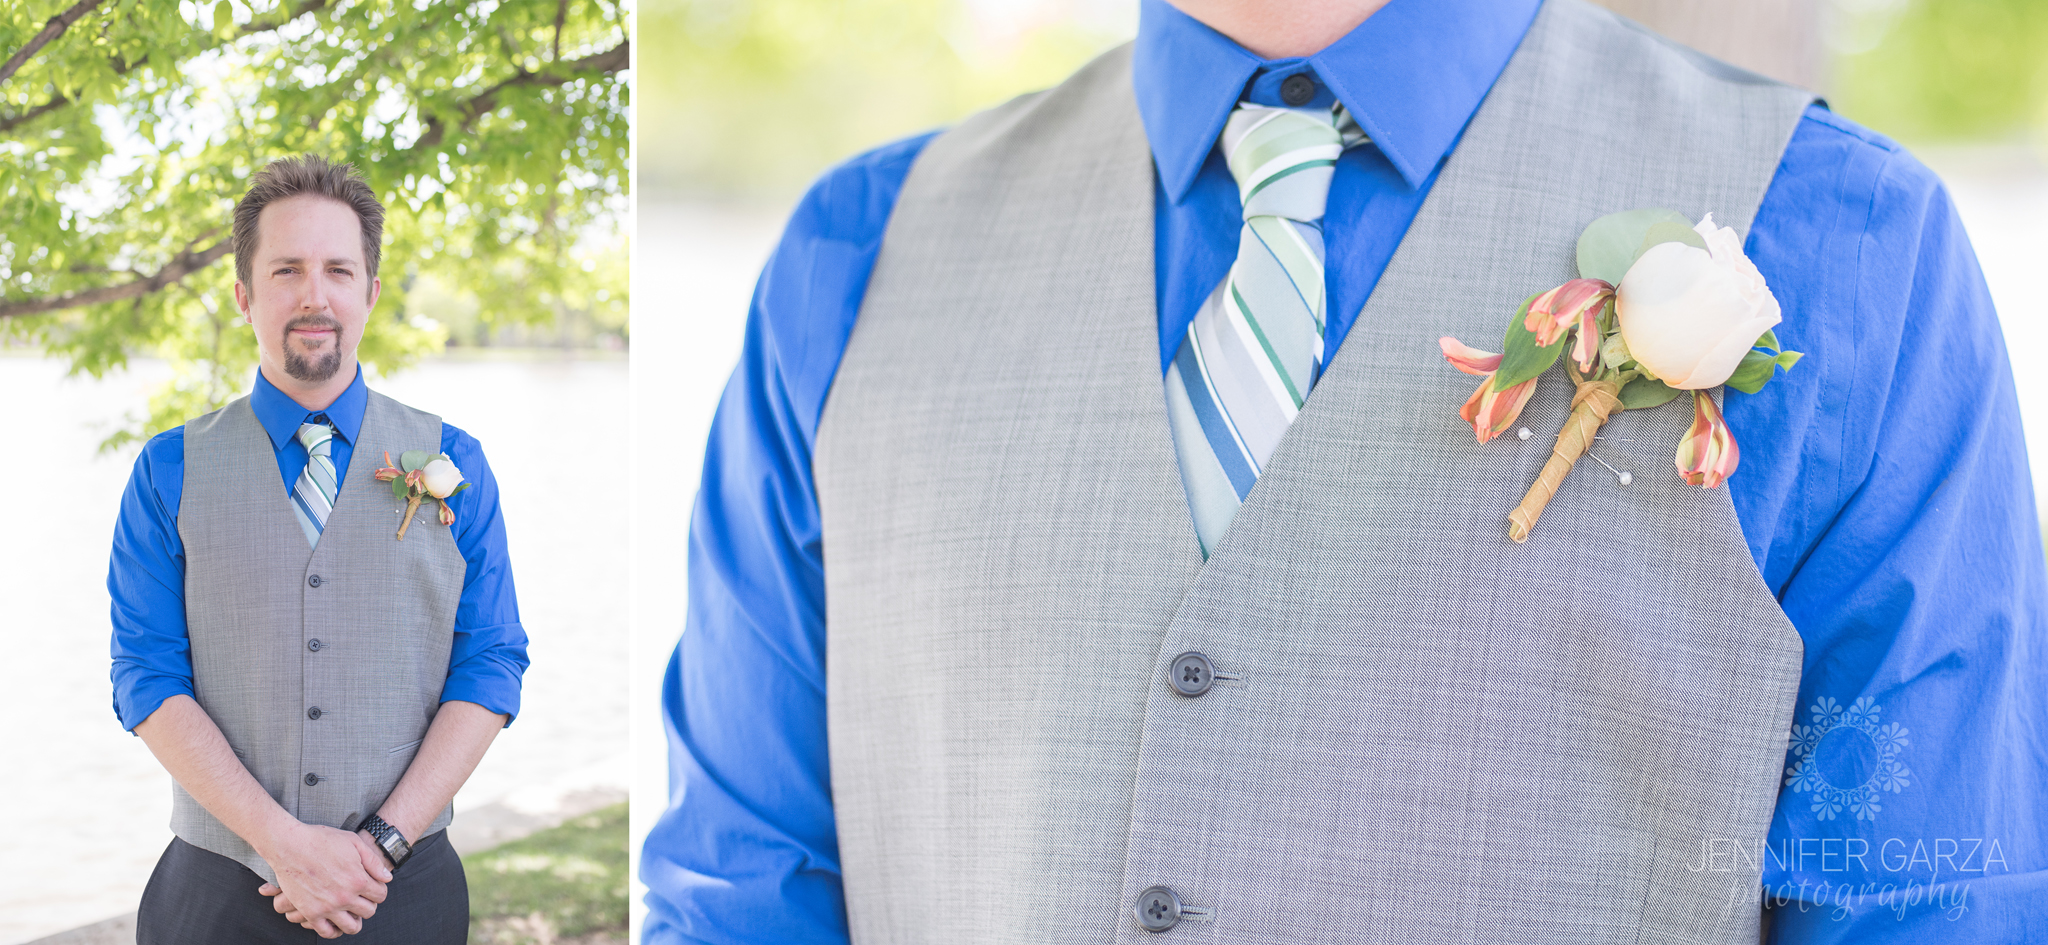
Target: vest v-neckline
(345, 499)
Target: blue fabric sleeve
(146, 579)
(152, 653)
(1885, 493)
(748, 849)
(489, 654)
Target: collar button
(1296, 90)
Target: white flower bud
(1688, 315)
(441, 478)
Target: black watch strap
(388, 839)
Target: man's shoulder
(1822, 121)
(163, 453)
(459, 444)
(1854, 164)
(402, 409)
(851, 202)
(169, 443)
(454, 441)
(205, 423)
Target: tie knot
(1282, 159)
(315, 437)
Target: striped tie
(313, 496)
(1256, 347)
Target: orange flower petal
(1467, 358)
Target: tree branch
(611, 60)
(9, 122)
(59, 100)
(561, 18)
(180, 266)
(51, 30)
(121, 67)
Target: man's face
(309, 292)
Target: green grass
(564, 884)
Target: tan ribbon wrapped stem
(1591, 406)
(413, 505)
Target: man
(317, 688)
(971, 540)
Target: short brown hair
(307, 174)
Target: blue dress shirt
(1883, 491)
(152, 652)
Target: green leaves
(1665, 231)
(1758, 367)
(412, 460)
(1610, 245)
(1754, 371)
(1646, 392)
(1521, 357)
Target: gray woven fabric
(1439, 736)
(384, 613)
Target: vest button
(312, 779)
(1158, 909)
(313, 713)
(1297, 89)
(1192, 674)
(315, 645)
(314, 581)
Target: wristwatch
(388, 839)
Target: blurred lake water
(89, 804)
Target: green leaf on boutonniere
(1521, 357)
(1769, 339)
(412, 460)
(458, 490)
(1644, 392)
(1611, 244)
(1665, 231)
(1758, 367)
(398, 488)
(1753, 373)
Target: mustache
(313, 321)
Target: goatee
(317, 368)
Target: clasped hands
(328, 880)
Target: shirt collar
(1412, 75)
(281, 415)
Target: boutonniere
(1660, 307)
(419, 476)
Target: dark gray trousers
(196, 897)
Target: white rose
(1688, 314)
(441, 478)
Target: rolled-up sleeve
(488, 658)
(146, 579)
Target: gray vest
(359, 627)
(1434, 735)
